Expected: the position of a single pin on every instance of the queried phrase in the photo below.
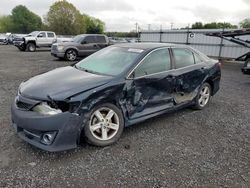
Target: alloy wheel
(71, 55)
(104, 124)
(204, 96)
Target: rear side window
(183, 58)
(89, 39)
(155, 62)
(197, 58)
(51, 35)
(100, 39)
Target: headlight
(60, 47)
(248, 64)
(44, 109)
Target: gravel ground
(208, 148)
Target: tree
(245, 23)
(6, 24)
(64, 18)
(25, 21)
(197, 25)
(94, 25)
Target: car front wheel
(203, 96)
(71, 55)
(31, 47)
(105, 125)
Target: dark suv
(80, 46)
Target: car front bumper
(246, 70)
(57, 53)
(31, 126)
(18, 43)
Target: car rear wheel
(105, 125)
(71, 55)
(203, 96)
(31, 47)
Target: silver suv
(80, 46)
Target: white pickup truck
(36, 39)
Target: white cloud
(121, 15)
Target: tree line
(63, 18)
(220, 25)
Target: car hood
(61, 83)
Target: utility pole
(149, 25)
(137, 30)
(136, 27)
(171, 25)
(160, 33)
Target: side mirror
(40, 35)
(84, 42)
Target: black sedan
(113, 88)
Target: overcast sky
(121, 15)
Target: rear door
(190, 72)
(51, 38)
(101, 41)
(150, 85)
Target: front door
(150, 86)
(88, 46)
(41, 39)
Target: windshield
(34, 33)
(109, 61)
(77, 39)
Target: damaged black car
(113, 88)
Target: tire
(246, 62)
(21, 49)
(98, 130)
(71, 55)
(31, 47)
(203, 97)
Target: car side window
(42, 35)
(183, 57)
(51, 35)
(100, 39)
(157, 61)
(89, 39)
(197, 58)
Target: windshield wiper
(90, 71)
(86, 70)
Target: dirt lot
(208, 148)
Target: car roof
(83, 35)
(147, 45)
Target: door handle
(203, 68)
(170, 77)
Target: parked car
(80, 46)
(117, 40)
(15, 37)
(36, 39)
(113, 88)
(246, 68)
(3, 39)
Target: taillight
(220, 64)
